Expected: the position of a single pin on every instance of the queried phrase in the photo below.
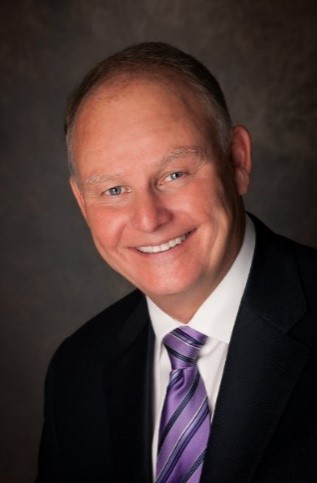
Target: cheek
(211, 209)
(203, 201)
(106, 227)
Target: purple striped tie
(185, 419)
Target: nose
(149, 212)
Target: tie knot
(183, 345)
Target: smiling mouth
(164, 246)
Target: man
(159, 173)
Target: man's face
(161, 207)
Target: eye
(115, 191)
(175, 175)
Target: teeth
(165, 246)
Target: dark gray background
(264, 54)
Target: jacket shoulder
(306, 258)
(89, 342)
(279, 245)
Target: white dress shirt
(214, 318)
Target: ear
(78, 195)
(240, 158)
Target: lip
(166, 252)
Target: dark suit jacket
(98, 423)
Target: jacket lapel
(129, 397)
(262, 367)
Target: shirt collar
(216, 316)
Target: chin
(168, 288)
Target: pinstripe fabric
(185, 419)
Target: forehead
(140, 98)
(132, 118)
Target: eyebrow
(179, 152)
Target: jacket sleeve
(49, 462)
